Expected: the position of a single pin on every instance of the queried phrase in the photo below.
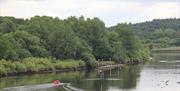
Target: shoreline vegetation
(169, 49)
(44, 43)
(44, 65)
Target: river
(160, 74)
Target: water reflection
(39, 79)
(162, 74)
(98, 80)
(113, 78)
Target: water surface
(161, 74)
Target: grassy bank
(36, 65)
(104, 63)
(170, 49)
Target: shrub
(3, 70)
(89, 59)
(20, 67)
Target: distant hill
(158, 32)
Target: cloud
(110, 11)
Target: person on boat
(57, 83)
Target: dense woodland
(158, 33)
(72, 38)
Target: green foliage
(21, 44)
(8, 46)
(64, 45)
(31, 43)
(7, 26)
(159, 32)
(89, 59)
(37, 65)
(69, 64)
(19, 67)
(128, 47)
(72, 38)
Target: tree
(71, 38)
(31, 43)
(7, 26)
(131, 45)
(8, 47)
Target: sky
(110, 11)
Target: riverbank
(169, 50)
(36, 65)
(43, 65)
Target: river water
(160, 74)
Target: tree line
(72, 38)
(158, 33)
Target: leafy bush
(3, 70)
(89, 59)
(20, 67)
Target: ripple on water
(104, 79)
